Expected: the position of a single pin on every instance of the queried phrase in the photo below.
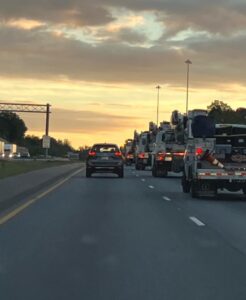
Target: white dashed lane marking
(143, 180)
(166, 198)
(196, 221)
(151, 187)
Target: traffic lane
(109, 238)
(226, 213)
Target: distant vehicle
(105, 158)
(1, 149)
(129, 152)
(144, 147)
(10, 150)
(22, 152)
(168, 150)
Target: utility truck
(169, 147)
(144, 147)
(215, 156)
(129, 152)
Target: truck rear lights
(160, 156)
(178, 154)
(199, 151)
(141, 155)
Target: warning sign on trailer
(46, 142)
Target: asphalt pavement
(125, 239)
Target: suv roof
(104, 144)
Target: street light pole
(188, 63)
(158, 98)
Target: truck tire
(244, 191)
(121, 173)
(194, 189)
(154, 171)
(185, 185)
(163, 173)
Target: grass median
(12, 168)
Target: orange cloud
(26, 24)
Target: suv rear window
(105, 148)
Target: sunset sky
(98, 62)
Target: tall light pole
(158, 98)
(188, 63)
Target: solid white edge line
(196, 221)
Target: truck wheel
(185, 184)
(154, 171)
(121, 173)
(163, 173)
(244, 191)
(143, 167)
(194, 189)
(137, 166)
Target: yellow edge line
(19, 209)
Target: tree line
(13, 129)
(222, 113)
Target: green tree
(12, 127)
(223, 113)
(241, 111)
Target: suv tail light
(118, 154)
(92, 153)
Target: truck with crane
(169, 147)
(144, 147)
(215, 156)
(128, 151)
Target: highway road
(125, 239)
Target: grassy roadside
(12, 168)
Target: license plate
(105, 158)
(168, 158)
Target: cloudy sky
(98, 62)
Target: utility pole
(188, 63)
(47, 126)
(158, 99)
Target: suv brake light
(118, 154)
(92, 153)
